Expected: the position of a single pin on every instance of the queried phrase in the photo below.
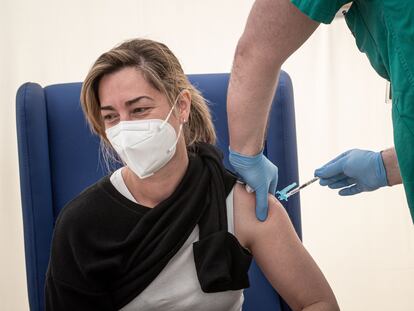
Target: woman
(171, 230)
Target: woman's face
(125, 96)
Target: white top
(177, 288)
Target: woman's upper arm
(279, 252)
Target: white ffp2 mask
(144, 146)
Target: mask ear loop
(176, 141)
(171, 110)
(166, 120)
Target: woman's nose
(124, 116)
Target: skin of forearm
(249, 101)
(322, 306)
(274, 30)
(389, 157)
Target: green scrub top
(384, 30)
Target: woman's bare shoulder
(280, 254)
(246, 226)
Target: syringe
(286, 192)
(296, 190)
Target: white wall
(363, 244)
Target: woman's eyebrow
(127, 103)
(107, 108)
(137, 99)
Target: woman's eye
(109, 117)
(140, 110)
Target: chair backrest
(59, 157)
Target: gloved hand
(355, 171)
(260, 174)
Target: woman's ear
(184, 106)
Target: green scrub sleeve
(322, 11)
(403, 123)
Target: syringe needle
(296, 190)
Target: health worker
(275, 29)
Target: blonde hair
(163, 71)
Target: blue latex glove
(260, 174)
(354, 171)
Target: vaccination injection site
(180, 155)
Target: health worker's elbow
(250, 49)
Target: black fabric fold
(221, 263)
(199, 199)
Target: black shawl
(112, 261)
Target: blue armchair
(59, 157)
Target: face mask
(144, 146)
